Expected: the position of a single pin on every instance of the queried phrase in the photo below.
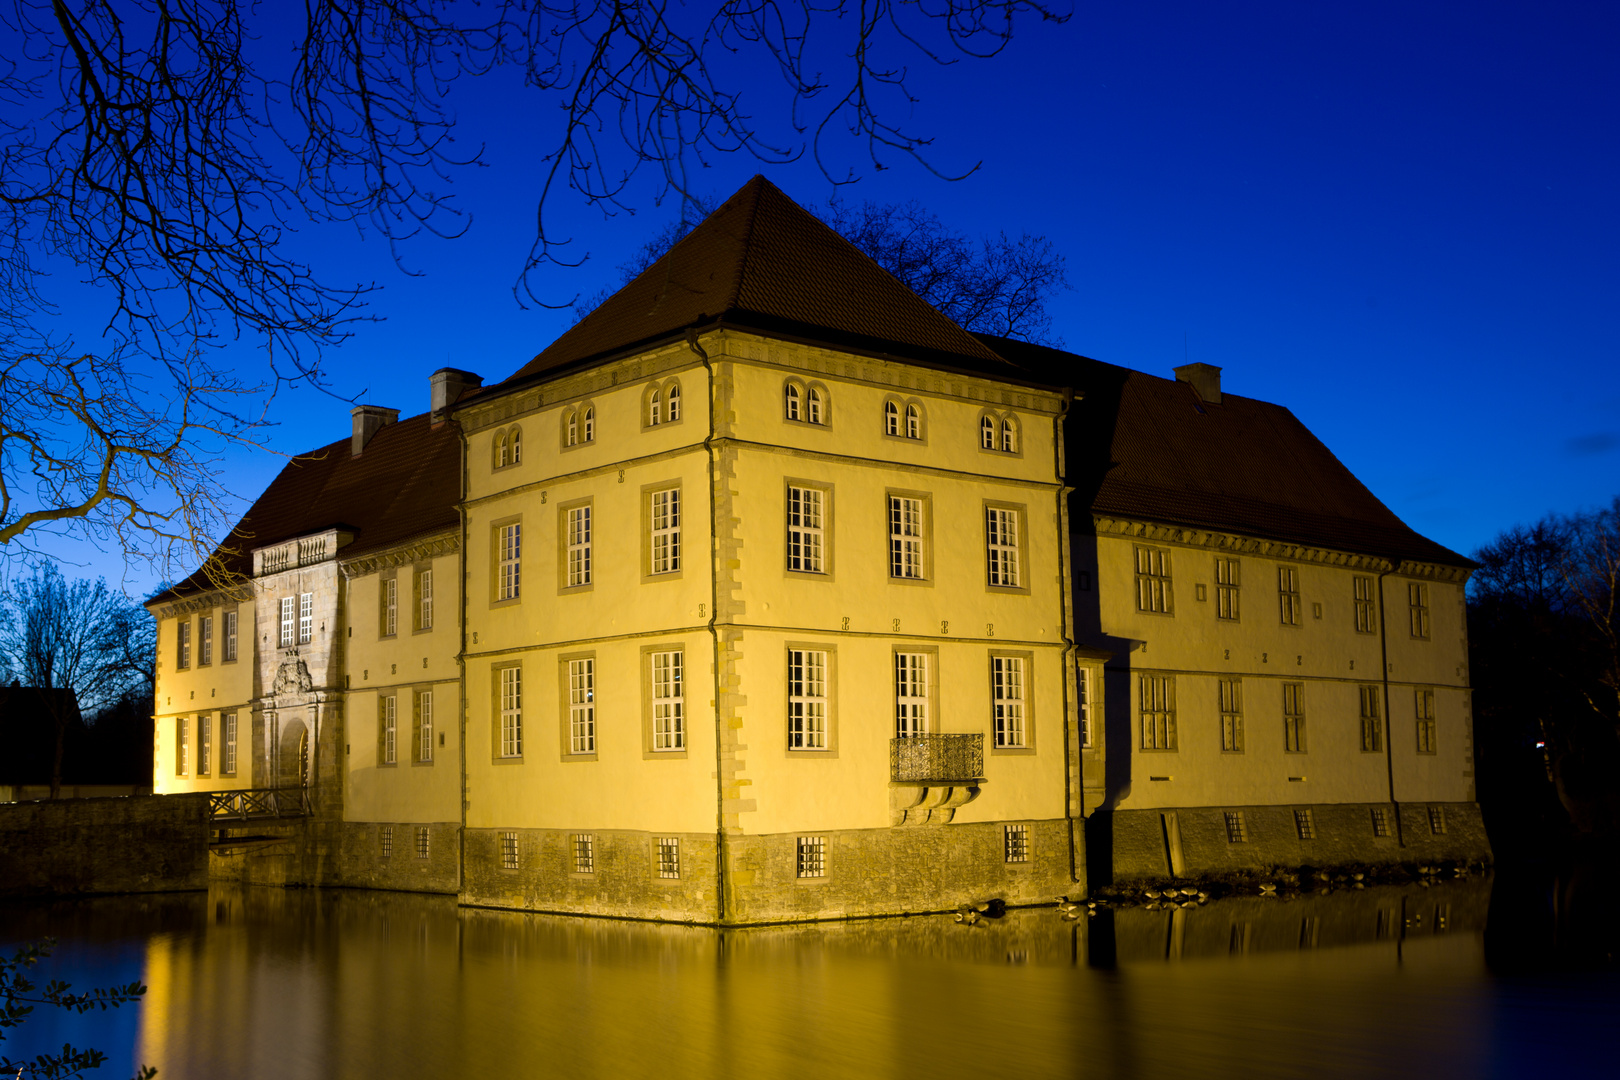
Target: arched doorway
(292, 765)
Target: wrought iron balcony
(248, 803)
(937, 759)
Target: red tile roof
(1147, 448)
(764, 263)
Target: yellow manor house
(767, 592)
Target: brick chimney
(448, 384)
(368, 420)
(1205, 380)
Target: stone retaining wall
(65, 847)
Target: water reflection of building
(750, 598)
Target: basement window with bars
(1236, 832)
(385, 839)
(812, 856)
(1437, 820)
(1015, 843)
(585, 853)
(669, 856)
(1380, 821)
(421, 841)
(1305, 824)
(509, 851)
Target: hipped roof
(762, 262)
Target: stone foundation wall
(359, 862)
(63, 847)
(1136, 845)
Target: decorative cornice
(431, 547)
(190, 605)
(1233, 543)
(479, 414)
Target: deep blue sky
(1398, 220)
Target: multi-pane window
(913, 421)
(509, 851)
(1001, 546)
(1372, 723)
(1437, 820)
(814, 406)
(571, 427)
(1015, 843)
(812, 856)
(1082, 684)
(587, 424)
(664, 520)
(1366, 609)
(674, 410)
(422, 837)
(1231, 704)
(1153, 586)
(805, 538)
(289, 616)
(1288, 594)
(511, 712)
(390, 606)
(1417, 598)
(424, 600)
(385, 841)
(1236, 831)
(910, 694)
(585, 853)
(182, 746)
(230, 635)
(579, 546)
(1293, 717)
(387, 720)
(306, 618)
(1007, 701)
(668, 702)
(510, 551)
(182, 644)
(582, 706)
(424, 726)
(807, 699)
(891, 418)
(205, 733)
(655, 409)
(1305, 824)
(987, 433)
(205, 639)
(793, 402)
(1424, 700)
(1157, 695)
(1380, 821)
(1227, 583)
(669, 856)
(227, 735)
(1009, 436)
(905, 537)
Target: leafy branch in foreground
(19, 996)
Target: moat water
(287, 984)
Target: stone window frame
(1417, 593)
(506, 448)
(1027, 659)
(422, 735)
(205, 639)
(930, 684)
(1371, 722)
(497, 563)
(829, 698)
(182, 644)
(662, 391)
(1427, 722)
(925, 540)
(1229, 703)
(810, 860)
(898, 414)
(230, 634)
(306, 618)
(229, 733)
(994, 428)
(182, 746)
(1020, 547)
(1228, 588)
(497, 687)
(649, 749)
(582, 854)
(666, 858)
(388, 603)
(647, 492)
(1015, 844)
(565, 547)
(807, 402)
(1366, 605)
(511, 851)
(288, 629)
(205, 732)
(387, 729)
(565, 711)
(1154, 566)
(577, 425)
(424, 841)
(1295, 739)
(423, 600)
(1290, 608)
(1086, 678)
(385, 842)
(828, 521)
(1156, 713)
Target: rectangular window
(1437, 820)
(227, 734)
(205, 639)
(910, 694)
(424, 600)
(1305, 824)
(812, 856)
(230, 635)
(1158, 710)
(664, 522)
(182, 747)
(205, 734)
(390, 607)
(1007, 701)
(1227, 582)
(905, 537)
(1001, 546)
(386, 841)
(805, 535)
(582, 706)
(1424, 700)
(1372, 723)
(668, 702)
(1236, 831)
(386, 729)
(509, 851)
(1231, 695)
(807, 699)
(1366, 609)
(1380, 821)
(1288, 595)
(669, 856)
(585, 853)
(1417, 597)
(511, 712)
(579, 546)
(1015, 843)
(1294, 717)
(1153, 586)
(182, 644)
(289, 617)
(509, 554)
(424, 726)
(1083, 689)
(306, 618)
(422, 841)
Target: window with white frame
(582, 706)
(424, 599)
(1366, 608)
(805, 537)
(987, 432)
(386, 720)
(509, 551)
(1001, 546)
(1153, 585)
(585, 853)
(205, 639)
(502, 448)
(1083, 690)
(182, 746)
(1015, 843)
(1288, 595)
(812, 856)
(673, 407)
(509, 851)
(1007, 701)
(571, 427)
(579, 545)
(891, 418)
(655, 408)
(289, 620)
(1372, 724)
(515, 445)
(390, 607)
(227, 735)
(306, 618)
(668, 701)
(182, 644)
(1417, 594)
(1228, 580)
(205, 733)
(906, 537)
(1157, 707)
(814, 406)
(793, 401)
(1230, 692)
(230, 635)
(807, 699)
(664, 523)
(910, 694)
(913, 421)
(511, 701)
(1009, 435)
(587, 424)
(424, 726)
(669, 856)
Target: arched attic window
(891, 418)
(587, 424)
(515, 445)
(987, 433)
(655, 408)
(571, 427)
(793, 407)
(500, 450)
(1009, 435)
(913, 421)
(674, 401)
(814, 411)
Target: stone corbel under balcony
(931, 776)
